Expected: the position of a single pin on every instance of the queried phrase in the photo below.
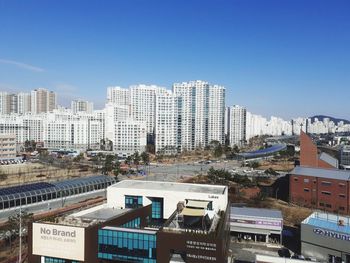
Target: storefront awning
(192, 212)
(197, 204)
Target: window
(321, 204)
(133, 201)
(295, 179)
(342, 195)
(306, 180)
(328, 206)
(135, 246)
(306, 190)
(326, 193)
(342, 208)
(54, 260)
(135, 223)
(157, 208)
(341, 185)
(325, 183)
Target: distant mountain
(335, 120)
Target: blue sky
(285, 58)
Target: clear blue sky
(285, 58)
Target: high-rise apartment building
(237, 125)
(143, 105)
(113, 114)
(216, 122)
(4, 103)
(13, 103)
(43, 100)
(118, 95)
(202, 113)
(130, 136)
(168, 133)
(82, 106)
(23, 103)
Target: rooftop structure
(256, 212)
(329, 221)
(322, 172)
(170, 186)
(142, 221)
(326, 237)
(263, 225)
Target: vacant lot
(34, 172)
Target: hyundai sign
(58, 241)
(331, 234)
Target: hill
(335, 120)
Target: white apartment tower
(167, 132)
(82, 106)
(43, 100)
(118, 95)
(216, 122)
(23, 103)
(112, 114)
(202, 113)
(143, 104)
(4, 103)
(237, 125)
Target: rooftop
(101, 214)
(170, 186)
(90, 216)
(256, 212)
(322, 172)
(329, 221)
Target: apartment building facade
(202, 113)
(7, 146)
(237, 123)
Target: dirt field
(36, 172)
(285, 166)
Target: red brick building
(309, 155)
(320, 188)
(317, 182)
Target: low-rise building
(142, 221)
(320, 188)
(326, 237)
(345, 157)
(7, 147)
(264, 225)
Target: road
(52, 204)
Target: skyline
(262, 53)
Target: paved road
(245, 252)
(52, 204)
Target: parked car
(284, 252)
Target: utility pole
(20, 227)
